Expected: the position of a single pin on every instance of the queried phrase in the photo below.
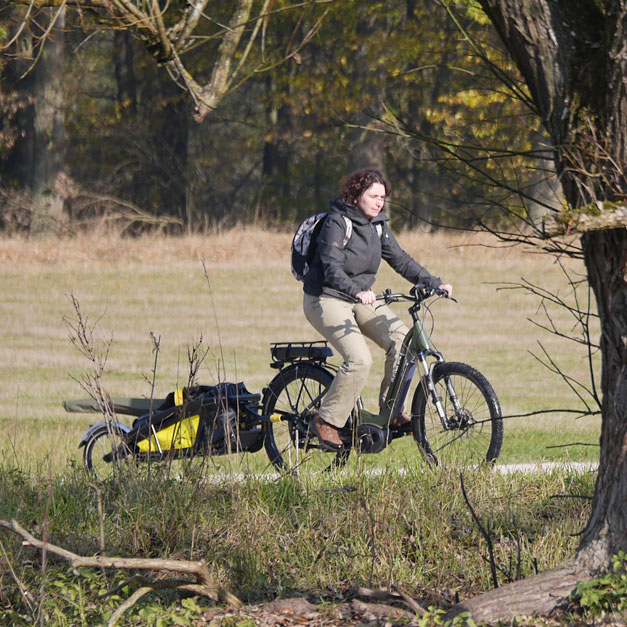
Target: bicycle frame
(416, 350)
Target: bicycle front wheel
(292, 400)
(472, 430)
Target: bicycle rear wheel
(292, 400)
(474, 429)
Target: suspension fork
(422, 349)
(436, 399)
(453, 396)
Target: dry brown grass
(242, 245)
(136, 286)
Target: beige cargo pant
(344, 326)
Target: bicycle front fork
(451, 422)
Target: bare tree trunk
(124, 66)
(276, 158)
(587, 122)
(49, 138)
(573, 57)
(606, 262)
(367, 149)
(536, 595)
(606, 531)
(171, 143)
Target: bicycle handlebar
(417, 294)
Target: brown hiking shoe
(401, 422)
(328, 434)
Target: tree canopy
(312, 90)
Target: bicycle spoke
(472, 432)
(295, 395)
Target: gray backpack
(305, 241)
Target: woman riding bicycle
(339, 303)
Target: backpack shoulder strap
(349, 231)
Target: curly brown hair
(355, 184)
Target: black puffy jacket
(350, 269)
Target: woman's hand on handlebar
(368, 297)
(448, 288)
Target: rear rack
(299, 351)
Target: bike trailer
(215, 419)
(218, 417)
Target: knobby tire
(477, 433)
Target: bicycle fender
(88, 434)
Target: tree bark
(595, 217)
(573, 56)
(49, 137)
(605, 254)
(536, 595)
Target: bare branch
(581, 316)
(180, 32)
(385, 596)
(167, 31)
(131, 15)
(221, 76)
(484, 533)
(22, 25)
(82, 336)
(571, 382)
(593, 217)
(26, 595)
(202, 583)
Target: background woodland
(92, 127)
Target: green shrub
(606, 594)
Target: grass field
(132, 288)
(308, 536)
